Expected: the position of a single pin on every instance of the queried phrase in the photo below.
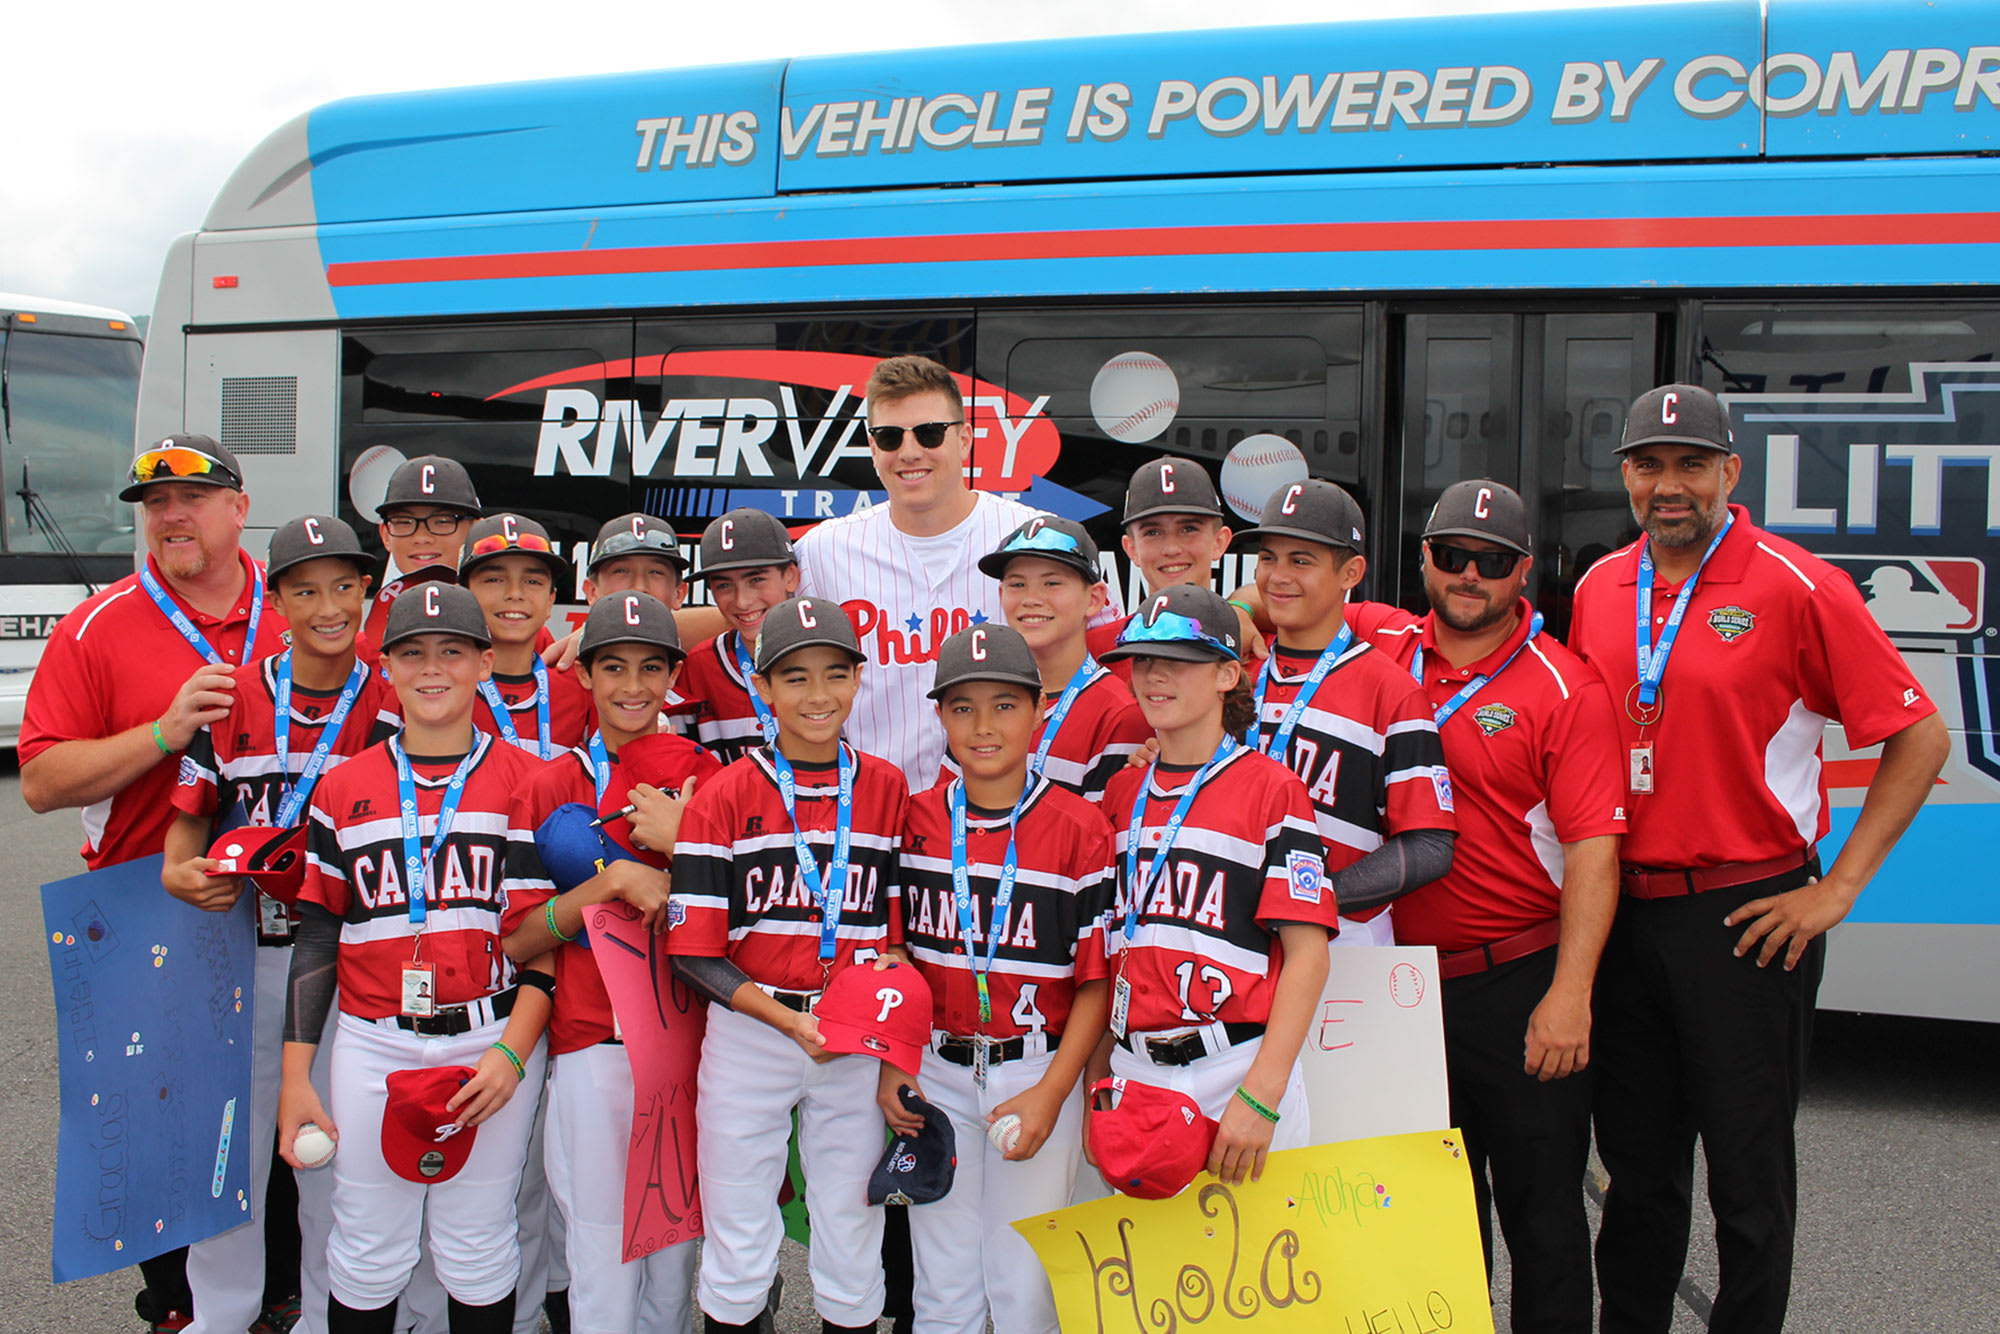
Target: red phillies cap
(421, 1140)
(884, 1012)
(272, 859)
(1149, 1142)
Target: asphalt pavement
(1899, 1141)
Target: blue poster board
(153, 1014)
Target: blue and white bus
(69, 385)
(1395, 254)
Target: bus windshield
(70, 402)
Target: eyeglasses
(1042, 539)
(157, 465)
(930, 434)
(1170, 627)
(1492, 564)
(494, 543)
(405, 525)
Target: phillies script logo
(755, 434)
(915, 638)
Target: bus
(1395, 254)
(69, 391)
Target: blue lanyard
(1477, 683)
(418, 862)
(765, 719)
(961, 888)
(295, 797)
(1140, 891)
(1653, 661)
(600, 766)
(178, 618)
(822, 888)
(1085, 675)
(1282, 738)
(503, 716)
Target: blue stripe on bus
(1928, 878)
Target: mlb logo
(1921, 595)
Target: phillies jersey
(1248, 860)
(738, 893)
(1535, 763)
(1365, 747)
(231, 766)
(1052, 938)
(114, 663)
(582, 1015)
(716, 700)
(905, 595)
(354, 869)
(1776, 643)
(1102, 731)
(572, 712)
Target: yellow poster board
(1369, 1236)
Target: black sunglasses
(1492, 564)
(929, 434)
(405, 525)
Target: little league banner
(153, 1017)
(1371, 1236)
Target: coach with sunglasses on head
(1521, 918)
(132, 673)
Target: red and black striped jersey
(582, 1015)
(737, 889)
(354, 869)
(715, 699)
(230, 771)
(1051, 939)
(1366, 748)
(572, 712)
(1102, 731)
(1248, 860)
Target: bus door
(1533, 399)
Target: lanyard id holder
(979, 1051)
(1121, 1005)
(1641, 761)
(419, 984)
(274, 921)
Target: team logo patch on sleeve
(1732, 622)
(677, 913)
(1494, 718)
(189, 775)
(1441, 782)
(1306, 872)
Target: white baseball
(368, 479)
(1134, 397)
(312, 1146)
(1005, 1133)
(1256, 466)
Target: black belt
(1187, 1048)
(452, 1020)
(802, 1001)
(959, 1051)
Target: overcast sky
(123, 119)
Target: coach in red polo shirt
(131, 674)
(1727, 651)
(1521, 919)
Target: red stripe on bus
(1265, 239)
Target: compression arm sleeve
(309, 993)
(716, 979)
(1410, 860)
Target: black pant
(1533, 1137)
(1691, 1040)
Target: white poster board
(1373, 1058)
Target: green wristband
(1256, 1106)
(160, 738)
(520, 1070)
(549, 919)
(1243, 607)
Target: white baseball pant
(1377, 930)
(752, 1076)
(968, 1257)
(379, 1217)
(1212, 1081)
(590, 1126)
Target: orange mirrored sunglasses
(494, 543)
(179, 461)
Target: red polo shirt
(1775, 644)
(1535, 763)
(114, 663)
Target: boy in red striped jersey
(1050, 588)
(747, 561)
(512, 568)
(786, 871)
(1015, 963)
(628, 657)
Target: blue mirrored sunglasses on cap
(1170, 627)
(1042, 539)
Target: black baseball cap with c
(431, 479)
(509, 535)
(1050, 538)
(436, 609)
(744, 539)
(629, 618)
(1187, 622)
(199, 459)
(1315, 510)
(1677, 414)
(990, 652)
(637, 534)
(1171, 486)
(1481, 508)
(798, 623)
(311, 537)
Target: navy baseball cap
(1677, 414)
(916, 1169)
(1050, 538)
(310, 537)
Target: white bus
(69, 392)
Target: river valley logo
(1732, 622)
